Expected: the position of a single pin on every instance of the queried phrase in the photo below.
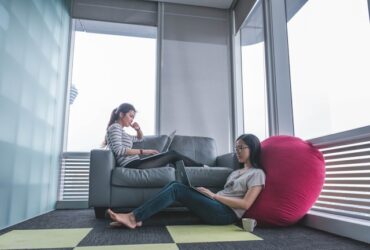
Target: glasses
(238, 149)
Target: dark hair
(123, 108)
(254, 145)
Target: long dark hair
(124, 108)
(254, 145)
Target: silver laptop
(165, 148)
(170, 139)
(184, 179)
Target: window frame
(158, 60)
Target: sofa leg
(100, 212)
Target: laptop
(184, 179)
(165, 148)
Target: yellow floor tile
(43, 238)
(208, 233)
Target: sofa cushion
(154, 177)
(200, 149)
(152, 142)
(208, 176)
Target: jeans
(161, 160)
(209, 210)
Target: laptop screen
(170, 139)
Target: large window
(329, 47)
(107, 71)
(253, 73)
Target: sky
(329, 53)
(330, 61)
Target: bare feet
(125, 219)
(118, 224)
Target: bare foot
(115, 224)
(125, 219)
(118, 224)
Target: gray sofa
(124, 188)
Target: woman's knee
(173, 152)
(178, 189)
(174, 184)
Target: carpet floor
(78, 229)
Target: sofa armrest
(102, 163)
(228, 160)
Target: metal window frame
(70, 71)
(279, 95)
(68, 84)
(237, 83)
(278, 81)
(350, 136)
(159, 62)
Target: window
(329, 59)
(253, 73)
(107, 71)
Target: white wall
(196, 88)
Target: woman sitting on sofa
(224, 207)
(121, 143)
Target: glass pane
(329, 44)
(109, 70)
(253, 73)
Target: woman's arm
(139, 133)
(132, 151)
(244, 203)
(114, 139)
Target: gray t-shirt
(237, 185)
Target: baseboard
(356, 229)
(72, 205)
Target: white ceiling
(221, 4)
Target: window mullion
(277, 69)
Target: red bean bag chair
(295, 174)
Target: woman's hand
(135, 126)
(150, 152)
(206, 192)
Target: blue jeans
(159, 160)
(209, 210)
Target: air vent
(74, 177)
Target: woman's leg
(161, 160)
(209, 210)
(130, 220)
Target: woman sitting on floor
(224, 207)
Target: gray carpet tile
(173, 218)
(269, 245)
(100, 236)
(154, 231)
(60, 219)
(46, 248)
